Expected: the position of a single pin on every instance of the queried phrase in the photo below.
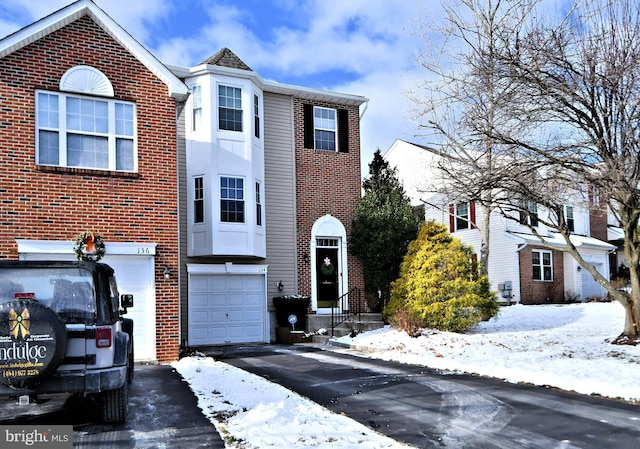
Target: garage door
(134, 275)
(226, 308)
(133, 264)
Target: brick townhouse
(204, 217)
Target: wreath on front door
(327, 268)
(89, 247)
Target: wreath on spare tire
(33, 342)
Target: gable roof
(226, 58)
(53, 22)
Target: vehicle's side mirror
(126, 301)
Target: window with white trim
(542, 265)
(258, 205)
(529, 213)
(325, 128)
(196, 107)
(569, 220)
(229, 108)
(198, 199)
(256, 116)
(85, 132)
(231, 200)
(462, 216)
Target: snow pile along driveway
(563, 346)
(252, 412)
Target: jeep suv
(62, 333)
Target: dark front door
(327, 276)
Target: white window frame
(57, 125)
(542, 265)
(196, 107)
(323, 125)
(462, 221)
(259, 208)
(230, 107)
(198, 199)
(569, 216)
(256, 116)
(234, 199)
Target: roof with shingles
(226, 58)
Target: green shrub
(439, 286)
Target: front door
(327, 272)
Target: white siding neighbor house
(521, 269)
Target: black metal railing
(346, 306)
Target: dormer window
(230, 108)
(74, 130)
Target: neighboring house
(520, 268)
(213, 189)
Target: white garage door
(133, 264)
(226, 308)
(134, 275)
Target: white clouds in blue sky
(360, 47)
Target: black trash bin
(286, 306)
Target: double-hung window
(231, 200)
(258, 205)
(325, 128)
(196, 107)
(85, 132)
(256, 116)
(229, 108)
(570, 221)
(542, 264)
(462, 216)
(529, 213)
(198, 199)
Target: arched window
(83, 126)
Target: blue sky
(360, 47)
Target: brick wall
(327, 182)
(534, 291)
(45, 203)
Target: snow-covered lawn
(561, 346)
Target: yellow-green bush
(439, 286)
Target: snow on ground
(252, 412)
(563, 346)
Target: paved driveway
(163, 413)
(428, 409)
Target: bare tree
(462, 99)
(576, 124)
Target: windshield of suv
(68, 291)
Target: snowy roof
(558, 241)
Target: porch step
(366, 322)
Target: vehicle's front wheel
(114, 404)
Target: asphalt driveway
(163, 413)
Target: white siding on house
(418, 170)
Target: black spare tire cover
(33, 342)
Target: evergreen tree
(439, 286)
(384, 223)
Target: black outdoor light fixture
(167, 273)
